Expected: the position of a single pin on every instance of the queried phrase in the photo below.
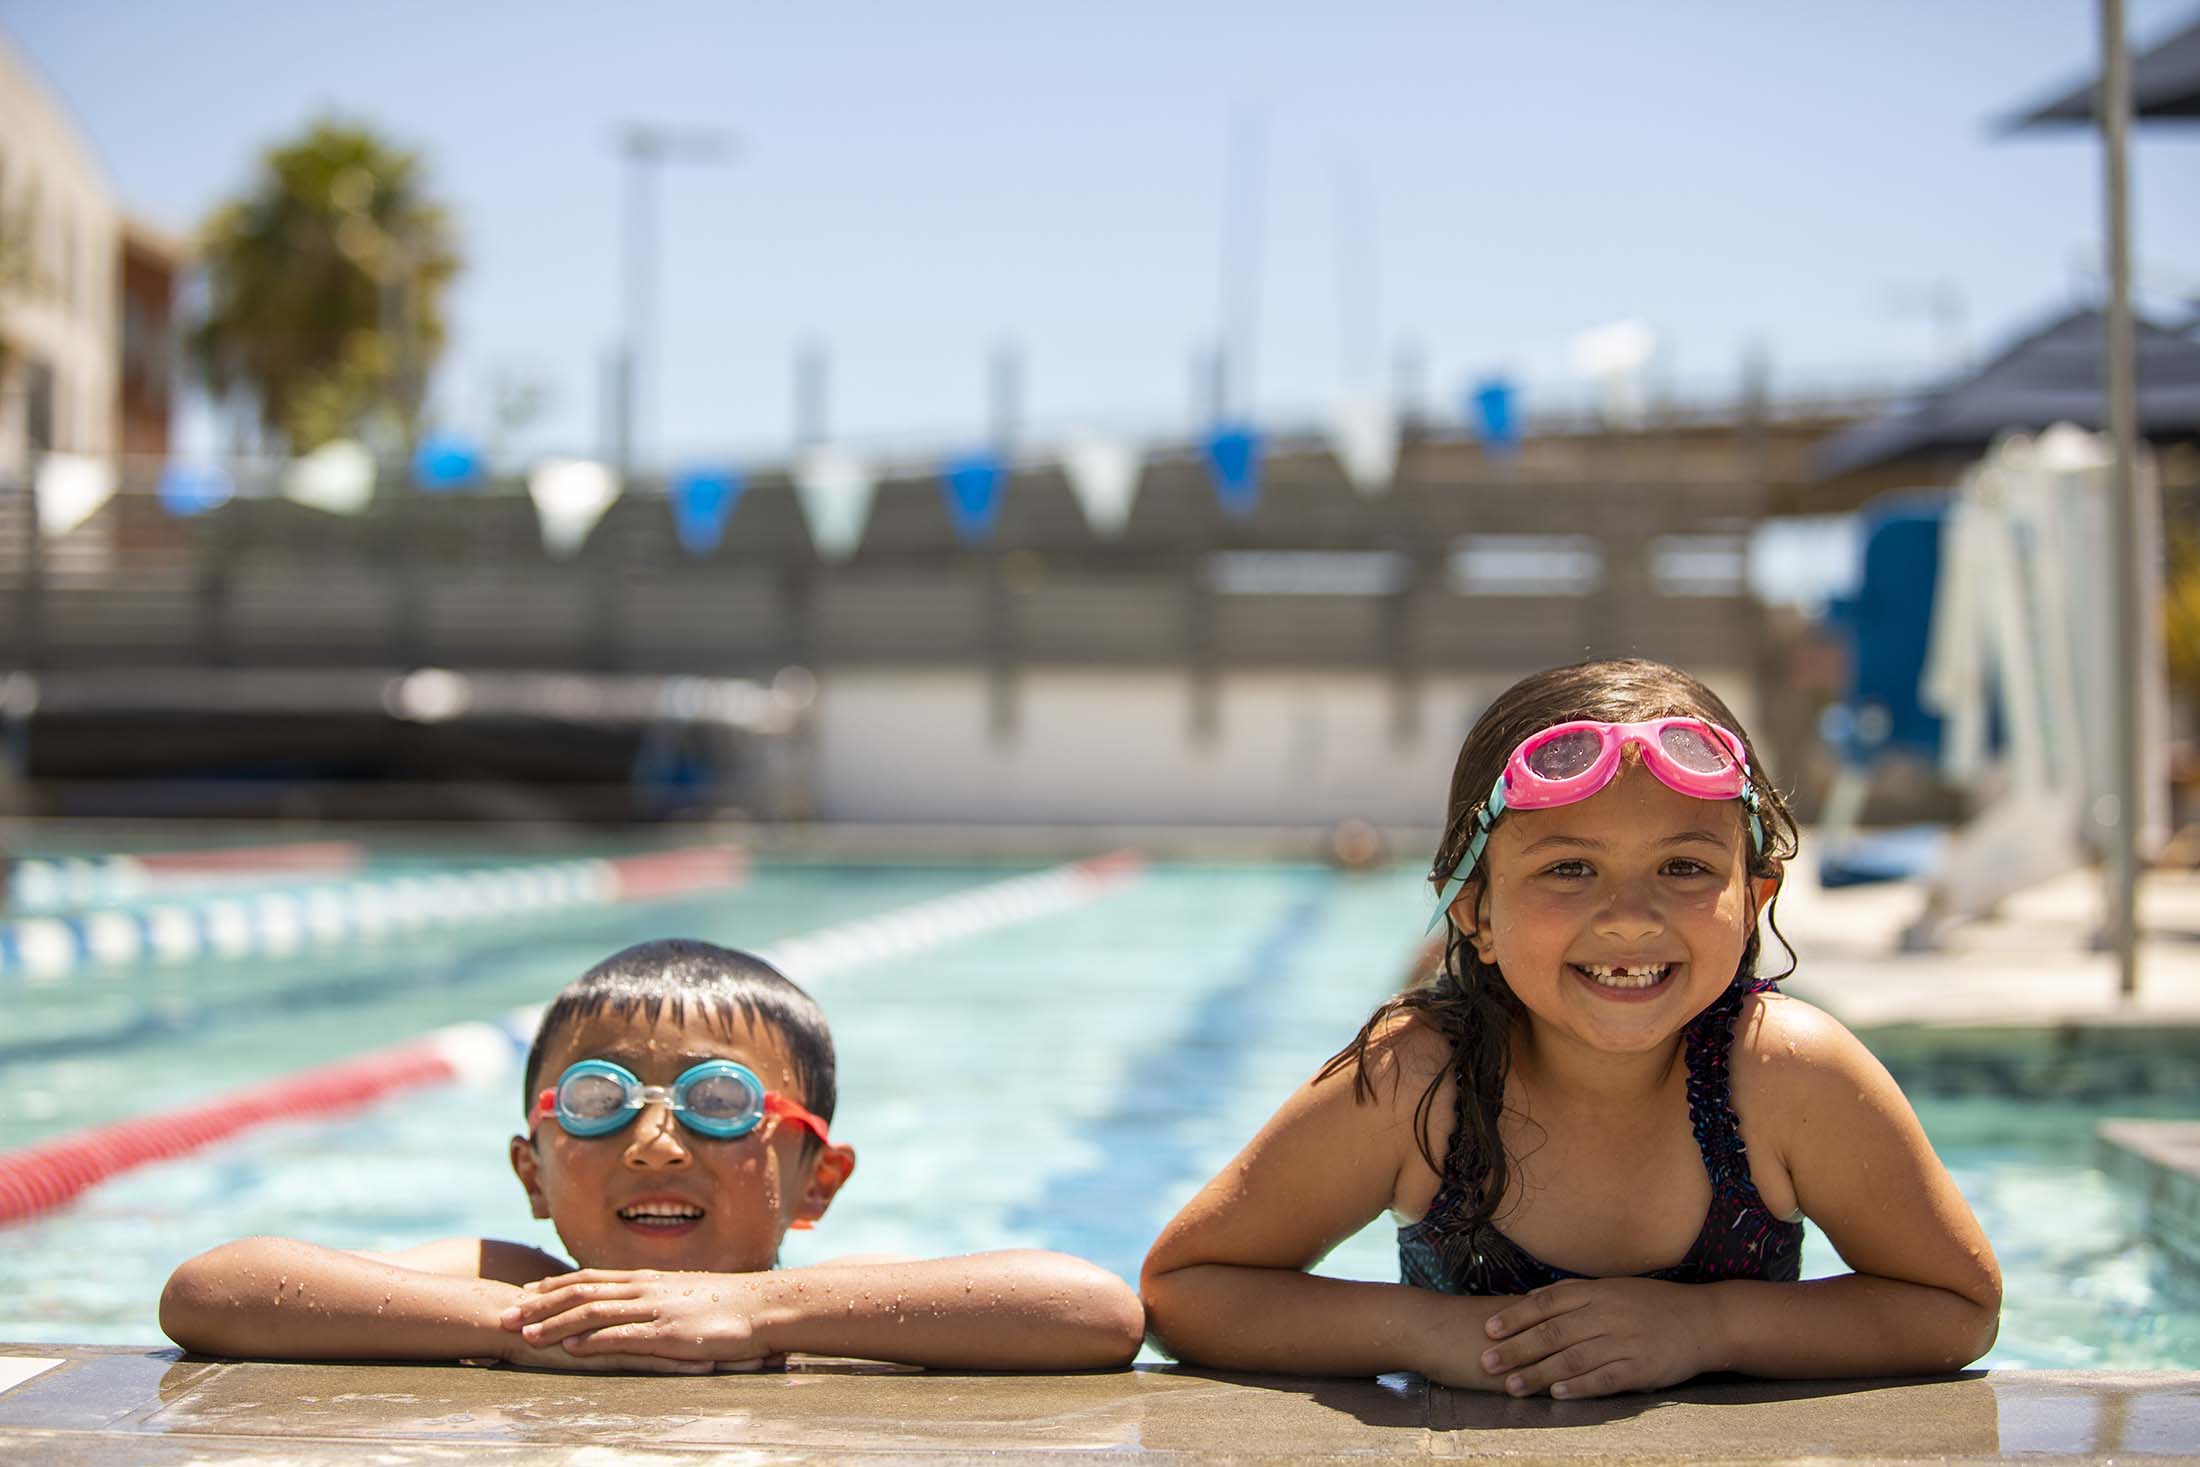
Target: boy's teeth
(1616, 976)
(660, 1212)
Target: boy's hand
(599, 1314)
(1591, 1337)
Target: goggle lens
(1563, 756)
(722, 1099)
(1695, 750)
(591, 1097)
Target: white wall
(50, 183)
(1117, 748)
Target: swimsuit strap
(1709, 1047)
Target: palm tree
(326, 280)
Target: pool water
(1065, 1082)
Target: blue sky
(918, 182)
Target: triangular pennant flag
(1490, 410)
(445, 461)
(1103, 475)
(972, 484)
(336, 477)
(70, 488)
(1363, 433)
(702, 502)
(1233, 458)
(187, 489)
(835, 488)
(570, 495)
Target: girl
(1600, 1129)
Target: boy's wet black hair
(664, 977)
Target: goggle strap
(1485, 815)
(779, 1105)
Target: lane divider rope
(43, 883)
(277, 924)
(39, 1178)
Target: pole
(1244, 193)
(638, 147)
(2114, 106)
(643, 146)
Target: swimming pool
(1065, 1081)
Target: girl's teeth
(1616, 977)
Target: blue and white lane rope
(277, 924)
(40, 1178)
(47, 883)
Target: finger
(587, 1317)
(1534, 1307)
(1606, 1380)
(1537, 1342)
(1570, 1363)
(589, 1276)
(544, 1305)
(639, 1337)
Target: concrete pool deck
(112, 1405)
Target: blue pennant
(445, 461)
(1233, 458)
(702, 502)
(973, 487)
(1491, 412)
(191, 489)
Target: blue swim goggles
(718, 1098)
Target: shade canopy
(2050, 376)
(2165, 86)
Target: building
(85, 294)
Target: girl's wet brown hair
(1467, 1000)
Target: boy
(678, 1097)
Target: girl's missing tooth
(1599, 1129)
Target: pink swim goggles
(1568, 762)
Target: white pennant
(571, 495)
(835, 487)
(1363, 433)
(337, 477)
(1103, 475)
(70, 488)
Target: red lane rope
(39, 1178)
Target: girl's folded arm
(1925, 1294)
(1226, 1282)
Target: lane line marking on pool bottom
(39, 883)
(37, 1179)
(276, 924)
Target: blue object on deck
(702, 502)
(193, 489)
(972, 484)
(1887, 624)
(1893, 855)
(1233, 460)
(1490, 410)
(445, 461)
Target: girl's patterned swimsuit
(1739, 1239)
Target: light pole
(642, 146)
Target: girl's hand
(686, 1317)
(1591, 1337)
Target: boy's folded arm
(1925, 1294)
(1011, 1310)
(1017, 1309)
(278, 1298)
(1226, 1282)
